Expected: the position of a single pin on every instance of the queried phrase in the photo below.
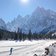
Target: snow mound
(51, 50)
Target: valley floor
(25, 48)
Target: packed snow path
(25, 48)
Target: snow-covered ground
(25, 48)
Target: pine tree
(30, 35)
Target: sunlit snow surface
(26, 48)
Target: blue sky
(10, 9)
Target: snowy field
(25, 48)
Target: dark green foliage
(6, 35)
(16, 36)
(30, 35)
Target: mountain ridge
(37, 22)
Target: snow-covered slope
(49, 29)
(39, 20)
(19, 22)
(42, 19)
(2, 24)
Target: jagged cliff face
(2, 24)
(41, 20)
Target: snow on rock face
(2, 24)
(19, 22)
(51, 50)
(54, 34)
(40, 19)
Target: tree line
(19, 35)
